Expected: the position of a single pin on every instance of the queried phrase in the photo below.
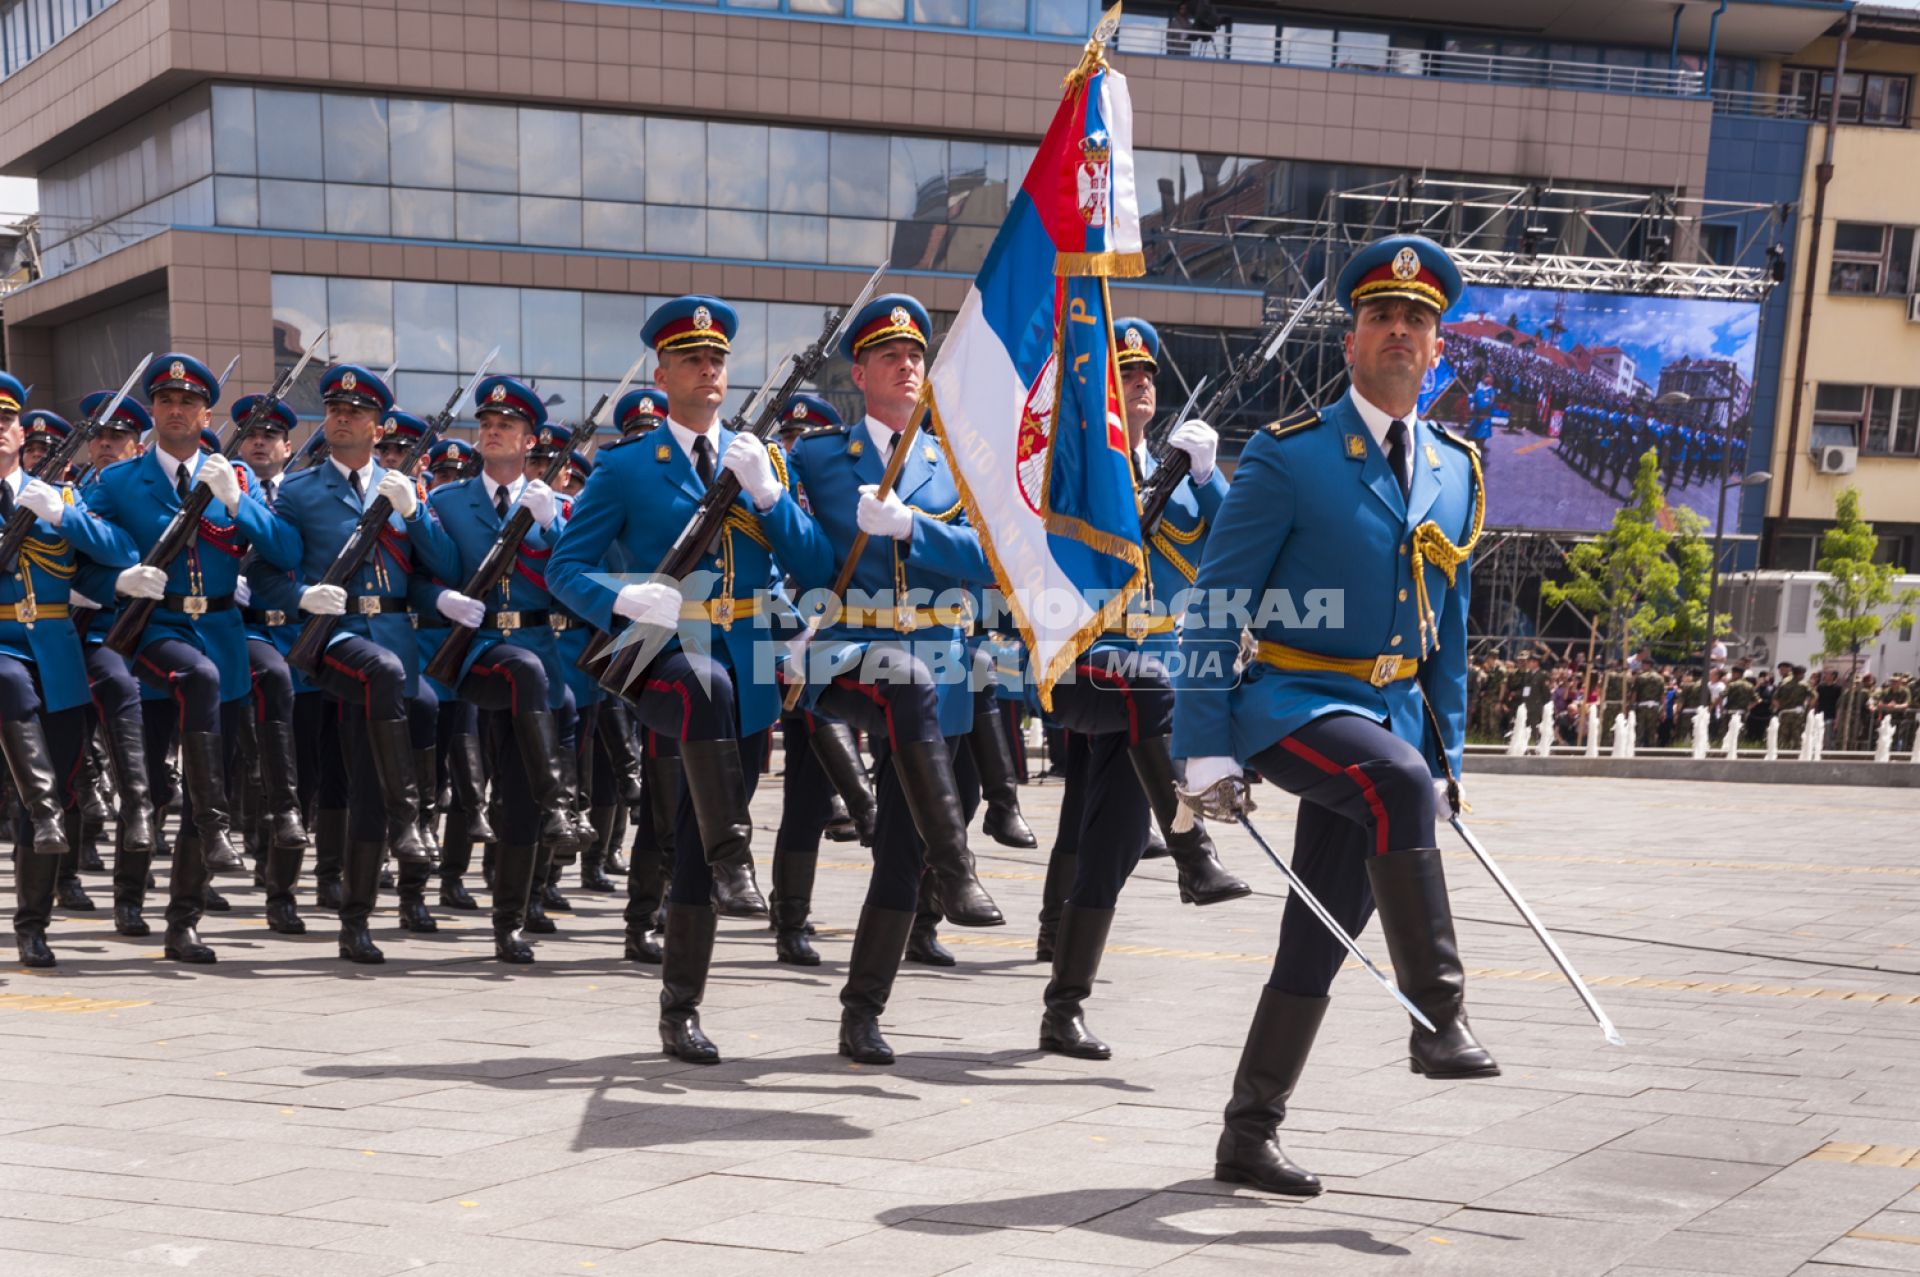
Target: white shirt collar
(17, 480)
(684, 436)
(883, 435)
(492, 488)
(170, 465)
(365, 472)
(1378, 419)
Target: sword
(231, 365)
(1539, 929)
(1339, 933)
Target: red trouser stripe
(872, 693)
(1358, 777)
(686, 702)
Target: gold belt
(902, 619)
(1377, 670)
(720, 612)
(1139, 625)
(28, 613)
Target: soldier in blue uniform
(1350, 527)
(704, 689)
(1485, 401)
(889, 664)
(192, 657)
(1119, 706)
(513, 670)
(371, 666)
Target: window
(1865, 97)
(1882, 421)
(1872, 261)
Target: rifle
(185, 524)
(614, 662)
(19, 524)
(452, 654)
(1153, 502)
(307, 650)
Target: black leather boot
(877, 948)
(683, 983)
(1203, 879)
(1076, 961)
(90, 861)
(278, 789)
(512, 884)
(615, 730)
(131, 870)
(1278, 1042)
(1062, 868)
(923, 942)
(329, 853)
(592, 876)
(282, 873)
(468, 773)
(71, 892)
(1156, 844)
(993, 760)
(925, 770)
(1410, 893)
(186, 890)
(575, 787)
(718, 787)
(413, 912)
(33, 889)
(31, 764)
(839, 756)
(360, 874)
(392, 750)
(839, 826)
(204, 773)
(537, 923)
(127, 751)
(652, 866)
(614, 864)
(538, 739)
(793, 877)
(456, 853)
(426, 781)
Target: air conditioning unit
(1913, 308)
(1834, 459)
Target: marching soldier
(43, 675)
(192, 657)
(371, 665)
(1356, 718)
(702, 690)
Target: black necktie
(703, 461)
(1397, 455)
(500, 501)
(353, 481)
(6, 499)
(180, 481)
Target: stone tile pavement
(284, 1113)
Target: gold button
(1403, 550)
(1403, 596)
(1396, 640)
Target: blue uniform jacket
(44, 572)
(1173, 555)
(137, 496)
(639, 497)
(276, 589)
(943, 556)
(318, 504)
(472, 525)
(1306, 515)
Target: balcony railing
(1778, 106)
(1263, 44)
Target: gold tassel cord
(1431, 545)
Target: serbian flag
(1026, 390)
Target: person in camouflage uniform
(1493, 699)
(1790, 701)
(1742, 696)
(1649, 690)
(1529, 684)
(1896, 701)
(1853, 718)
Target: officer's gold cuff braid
(1431, 545)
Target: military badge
(499, 394)
(178, 371)
(348, 381)
(1134, 340)
(1433, 458)
(1406, 263)
(799, 412)
(663, 453)
(855, 448)
(900, 318)
(702, 318)
(1356, 447)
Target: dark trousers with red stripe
(188, 676)
(893, 699)
(1363, 791)
(1116, 700)
(506, 680)
(272, 683)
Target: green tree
(1645, 579)
(1858, 599)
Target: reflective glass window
(832, 8)
(425, 319)
(856, 163)
(682, 231)
(489, 317)
(292, 206)
(358, 210)
(360, 321)
(620, 227)
(747, 363)
(236, 201)
(856, 242)
(299, 311)
(613, 156)
(676, 161)
(233, 148)
(796, 238)
(797, 171)
(421, 136)
(489, 219)
(940, 13)
(287, 141)
(422, 214)
(917, 185)
(1001, 15)
(731, 234)
(1062, 17)
(610, 337)
(549, 152)
(881, 10)
(358, 129)
(550, 223)
(485, 147)
(549, 332)
(736, 166)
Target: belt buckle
(560, 623)
(367, 605)
(1137, 623)
(276, 619)
(720, 612)
(26, 611)
(904, 620)
(1385, 668)
(194, 605)
(506, 620)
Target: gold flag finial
(1095, 56)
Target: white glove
(44, 500)
(537, 499)
(324, 600)
(142, 582)
(465, 612)
(77, 599)
(398, 490)
(242, 593)
(1440, 803)
(888, 518)
(1199, 441)
(1205, 772)
(217, 476)
(651, 603)
(747, 457)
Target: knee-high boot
(877, 948)
(993, 759)
(923, 942)
(203, 769)
(279, 789)
(683, 983)
(469, 776)
(839, 756)
(30, 762)
(1076, 961)
(1278, 1042)
(360, 872)
(1203, 879)
(392, 749)
(512, 888)
(925, 769)
(127, 749)
(718, 786)
(1410, 892)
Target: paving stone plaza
(286, 1113)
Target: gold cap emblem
(901, 318)
(499, 394)
(1134, 340)
(178, 371)
(799, 412)
(348, 381)
(1406, 263)
(702, 318)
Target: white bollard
(1593, 731)
(1883, 742)
(1815, 743)
(1734, 722)
(1701, 727)
(1545, 747)
(1517, 738)
(1773, 739)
